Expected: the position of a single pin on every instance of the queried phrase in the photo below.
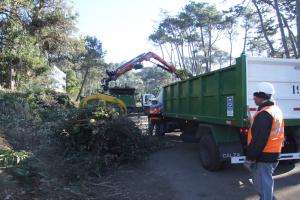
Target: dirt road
(181, 167)
(176, 174)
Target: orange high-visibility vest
(276, 138)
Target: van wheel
(209, 153)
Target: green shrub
(106, 139)
(10, 158)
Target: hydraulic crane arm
(135, 63)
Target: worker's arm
(261, 129)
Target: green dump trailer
(127, 95)
(214, 108)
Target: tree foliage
(190, 38)
(34, 36)
(92, 66)
(37, 35)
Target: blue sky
(123, 26)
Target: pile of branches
(99, 138)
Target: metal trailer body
(215, 107)
(127, 95)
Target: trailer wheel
(290, 146)
(209, 153)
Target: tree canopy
(189, 38)
(36, 35)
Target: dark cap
(262, 95)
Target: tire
(289, 147)
(209, 153)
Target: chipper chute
(107, 99)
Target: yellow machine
(107, 99)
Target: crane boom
(135, 63)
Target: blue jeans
(263, 180)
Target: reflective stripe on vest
(276, 138)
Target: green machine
(215, 108)
(127, 95)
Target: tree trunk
(1, 76)
(245, 37)
(83, 82)
(178, 55)
(263, 29)
(298, 25)
(162, 51)
(291, 36)
(230, 57)
(172, 54)
(182, 56)
(194, 57)
(11, 79)
(168, 53)
(203, 47)
(283, 38)
(286, 24)
(190, 58)
(209, 49)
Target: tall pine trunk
(162, 51)
(298, 25)
(291, 36)
(182, 55)
(83, 83)
(209, 49)
(178, 55)
(11, 79)
(272, 50)
(230, 58)
(1, 76)
(245, 37)
(283, 38)
(203, 48)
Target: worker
(265, 141)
